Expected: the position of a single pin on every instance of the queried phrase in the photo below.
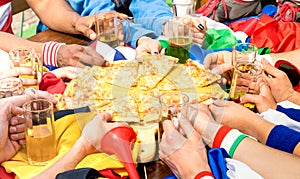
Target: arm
(291, 56)
(51, 13)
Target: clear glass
(10, 87)
(26, 57)
(112, 31)
(40, 132)
(180, 39)
(243, 52)
(183, 7)
(244, 74)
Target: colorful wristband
(49, 53)
(204, 175)
(228, 139)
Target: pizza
(130, 90)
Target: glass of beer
(183, 7)
(10, 87)
(26, 57)
(244, 74)
(40, 132)
(180, 39)
(112, 31)
(171, 104)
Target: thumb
(168, 127)
(250, 98)
(269, 68)
(87, 31)
(105, 116)
(220, 69)
(220, 103)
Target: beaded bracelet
(49, 53)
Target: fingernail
(200, 26)
(92, 36)
(13, 129)
(155, 52)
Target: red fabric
(203, 174)
(7, 26)
(108, 173)
(222, 132)
(5, 175)
(278, 36)
(2, 2)
(246, 26)
(52, 84)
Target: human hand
(179, 149)
(264, 100)
(148, 45)
(79, 56)
(66, 72)
(280, 85)
(84, 24)
(18, 71)
(218, 62)
(198, 26)
(94, 131)
(235, 116)
(202, 120)
(17, 129)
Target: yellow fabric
(68, 130)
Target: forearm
(13, 41)
(268, 162)
(57, 15)
(291, 56)
(67, 162)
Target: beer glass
(26, 57)
(171, 104)
(40, 132)
(180, 39)
(112, 31)
(183, 7)
(10, 87)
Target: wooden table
(156, 169)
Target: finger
(198, 40)
(91, 57)
(188, 129)
(251, 98)
(29, 82)
(17, 101)
(45, 95)
(16, 71)
(17, 120)
(221, 69)
(105, 116)
(17, 136)
(163, 51)
(22, 142)
(17, 128)
(86, 31)
(221, 103)
(209, 60)
(270, 69)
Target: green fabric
(170, 3)
(219, 39)
(263, 51)
(165, 44)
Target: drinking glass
(243, 52)
(244, 74)
(171, 104)
(10, 87)
(40, 132)
(183, 7)
(180, 39)
(112, 31)
(26, 57)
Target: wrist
(50, 53)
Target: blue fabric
(217, 163)
(290, 112)
(198, 54)
(50, 67)
(119, 56)
(283, 138)
(147, 22)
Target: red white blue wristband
(49, 53)
(229, 139)
(204, 175)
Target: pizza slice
(154, 68)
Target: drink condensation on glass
(180, 39)
(10, 87)
(26, 57)
(244, 74)
(40, 132)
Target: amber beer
(244, 71)
(40, 133)
(110, 40)
(180, 48)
